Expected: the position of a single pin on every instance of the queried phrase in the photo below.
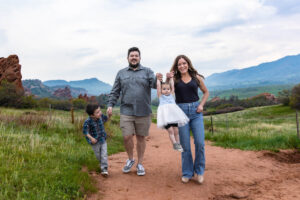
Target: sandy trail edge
(230, 174)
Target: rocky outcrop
(63, 93)
(86, 98)
(267, 96)
(10, 70)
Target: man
(134, 83)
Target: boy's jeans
(196, 125)
(100, 151)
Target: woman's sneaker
(177, 147)
(140, 171)
(128, 165)
(200, 179)
(185, 180)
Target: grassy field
(260, 128)
(42, 154)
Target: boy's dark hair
(90, 108)
(133, 49)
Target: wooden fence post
(72, 114)
(212, 125)
(297, 122)
(226, 122)
(50, 111)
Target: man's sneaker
(104, 172)
(140, 170)
(127, 167)
(177, 147)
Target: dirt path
(230, 174)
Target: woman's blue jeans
(196, 125)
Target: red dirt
(230, 174)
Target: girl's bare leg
(176, 135)
(171, 135)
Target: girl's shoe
(177, 147)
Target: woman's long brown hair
(192, 71)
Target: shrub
(227, 105)
(79, 103)
(224, 110)
(28, 102)
(44, 102)
(61, 105)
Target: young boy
(93, 129)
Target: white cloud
(74, 40)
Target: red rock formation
(10, 70)
(63, 93)
(84, 97)
(268, 96)
(87, 98)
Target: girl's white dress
(169, 113)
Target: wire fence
(214, 123)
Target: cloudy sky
(74, 40)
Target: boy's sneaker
(177, 147)
(104, 172)
(127, 167)
(140, 170)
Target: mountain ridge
(285, 70)
(94, 86)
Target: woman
(187, 81)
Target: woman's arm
(158, 89)
(205, 94)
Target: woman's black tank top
(186, 92)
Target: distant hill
(283, 71)
(39, 89)
(92, 85)
(243, 93)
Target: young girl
(169, 115)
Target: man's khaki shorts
(131, 125)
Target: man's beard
(134, 66)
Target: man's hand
(159, 76)
(109, 112)
(170, 75)
(93, 140)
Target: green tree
(295, 97)
(9, 95)
(284, 97)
